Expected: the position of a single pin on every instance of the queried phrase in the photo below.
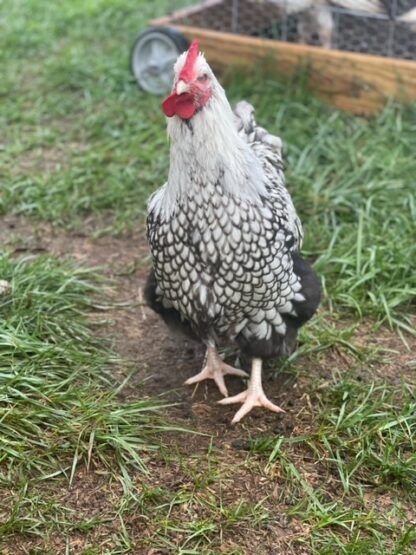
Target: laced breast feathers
(225, 259)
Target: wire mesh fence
(381, 27)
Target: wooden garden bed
(360, 83)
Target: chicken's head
(192, 85)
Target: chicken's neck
(208, 150)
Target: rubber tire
(180, 41)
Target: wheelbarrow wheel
(153, 56)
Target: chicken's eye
(202, 78)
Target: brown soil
(164, 362)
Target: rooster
(224, 234)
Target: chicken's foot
(254, 395)
(215, 369)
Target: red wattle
(181, 105)
(185, 107)
(168, 105)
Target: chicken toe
(253, 396)
(215, 369)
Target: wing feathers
(250, 131)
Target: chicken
(315, 16)
(224, 234)
(409, 18)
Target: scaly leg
(253, 396)
(215, 369)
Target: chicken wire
(383, 34)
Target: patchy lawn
(103, 450)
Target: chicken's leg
(215, 369)
(253, 396)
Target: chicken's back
(268, 148)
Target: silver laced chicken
(224, 235)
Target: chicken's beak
(182, 87)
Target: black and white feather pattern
(224, 262)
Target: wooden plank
(359, 83)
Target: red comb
(188, 68)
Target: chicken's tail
(410, 18)
(369, 6)
(250, 131)
(296, 6)
(293, 6)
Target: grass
(59, 403)
(81, 143)
(364, 443)
(195, 515)
(58, 398)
